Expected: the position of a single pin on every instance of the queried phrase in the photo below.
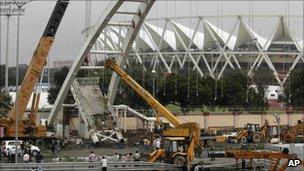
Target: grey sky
(69, 39)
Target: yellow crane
(29, 129)
(183, 134)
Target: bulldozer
(252, 133)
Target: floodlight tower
(9, 9)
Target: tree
(264, 76)
(58, 79)
(295, 89)
(237, 95)
(5, 103)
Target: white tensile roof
(205, 38)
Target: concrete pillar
(125, 121)
(235, 119)
(289, 115)
(263, 117)
(206, 120)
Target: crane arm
(143, 93)
(39, 59)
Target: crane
(29, 129)
(183, 134)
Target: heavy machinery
(293, 133)
(273, 157)
(29, 129)
(183, 134)
(252, 133)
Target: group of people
(129, 157)
(117, 157)
(25, 153)
(93, 157)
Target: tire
(285, 151)
(35, 152)
(179, 160)
(256, 138)
(243, 139)
(39, 143)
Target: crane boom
(143, 93)
(39, 59)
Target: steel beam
(91, 39)
(137, 21)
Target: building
(62, 63)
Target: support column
(289, 115)
(263, 118)
(235, 119)
(206, 120)
(125, 120)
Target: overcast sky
(69, 39)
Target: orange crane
(28, 128)
(183, 134)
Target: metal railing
(88, 166)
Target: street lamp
(13, 8)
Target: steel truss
(93, 43)
(212, 60)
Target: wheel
(285, 151)
(256, 138)
(39, 143)
(179, 160)
(243, 140)
(35, 152)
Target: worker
(22, 146)
(39, 157)
(116, 157)
(104, 163)
(157, 143)
(130, 157)
(136, 156)
(26, 157)
(12, 153)
(92, 158)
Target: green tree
(295, 89)
(5, 103)
(237, 95)
(264, 76)
(58, 79)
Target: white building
(272, 92)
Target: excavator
(293, 133)
(29, 129)
(252, 133)
(186, 135)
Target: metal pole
(0, 44)
(17, 84)
(7, 54)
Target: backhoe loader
(186, 135)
